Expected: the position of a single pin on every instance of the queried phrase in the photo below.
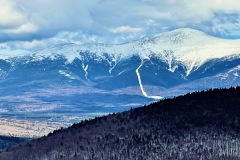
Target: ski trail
(141, 86)
(140, 81)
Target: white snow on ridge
(85, 68)
(66, 74)
(189, 47)
(234, 71)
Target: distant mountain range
(201, 125)
(165, 61)
(93, 79)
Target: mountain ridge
(187, 47)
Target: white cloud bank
(10, 16)
(14, 20)
(125, 29)
(37, 19)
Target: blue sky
(33, 23)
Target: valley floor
(24, 128)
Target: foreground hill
(201, 125)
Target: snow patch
(66, 74)
(122, 72)
(85, 68)
(234, 71)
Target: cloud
(15, 22)
(125, 29)
(115, 21)
(61, 15)
(29, 45)
(10, 15)
(22, 29)
(41, 18)
(227, 25)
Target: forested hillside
(200, 125)
(8, 141)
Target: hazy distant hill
(201, 125)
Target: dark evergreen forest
(8, 141)
(200, 125)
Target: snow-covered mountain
(163, 60)
(188, 47)
(72, 75)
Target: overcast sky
(31, 22)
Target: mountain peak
(181, 36)
(186, 31)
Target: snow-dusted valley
(65, 83)
(29, 129)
